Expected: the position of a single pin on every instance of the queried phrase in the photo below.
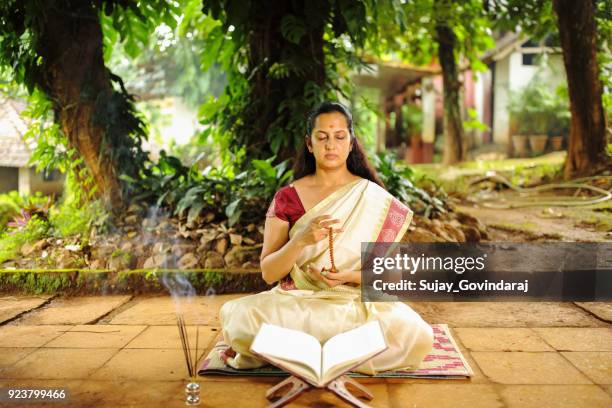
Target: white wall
(500, 102)
(511, 74)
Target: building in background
(15, 172)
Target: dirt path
(581, 224)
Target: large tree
(574, 23)
(586, 151)
(281, 61)
(56, 46)
(454, 133)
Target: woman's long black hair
(356, 162)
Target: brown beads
(331, 252)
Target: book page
(354, 345)
(288, 345)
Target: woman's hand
(336, 278)
(317, 230)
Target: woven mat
(444, 362)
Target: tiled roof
(14, 151)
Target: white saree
(367, 213)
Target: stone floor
(123, 351)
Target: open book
(301, 354)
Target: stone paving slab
(506, 314)
(597, 365)
(603, 310)
(202, 310)
(75, 310)
(167, 337)
(132, 357)
(11, 355)
(528, 368)
(555, 396)
(577, 339)
(11, 306)
(54, 363)
(29, 336)
(145, 364)
(96, 336)
(502, 339)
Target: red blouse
(287, 206)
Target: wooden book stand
(337, 386)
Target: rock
(148, 223)
(127, 246)
(182, 248)
(156, 261)
(160, 248)
(97, 264)
(207, 237)
(102, 251)
(471, 234)
(120, 262)
(135, 209)
(188, 261)
(27, 249)
(454, 232)
(421, 235)
(131, 219)
(239, 255)
(250, 265)
(221, 246)
(41, 244)
(66, 260)
(73, 247)
(213, 260)
(437, 227)
(236, 239)
(468, 219)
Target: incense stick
(184, 343)
(195, 361)
(188, 348)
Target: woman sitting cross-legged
(337, 190)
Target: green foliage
(167, 63)
(271, 88)
(189, 192)
(533, 17)
(73, 215)
(536, 109)
(400, 181)
(12, 240)
(473, 123)
(415, 40)
(130, 23)
(412, 118)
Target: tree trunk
(453, 124)
(74, 76)
(586, 152)
(267, 46)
